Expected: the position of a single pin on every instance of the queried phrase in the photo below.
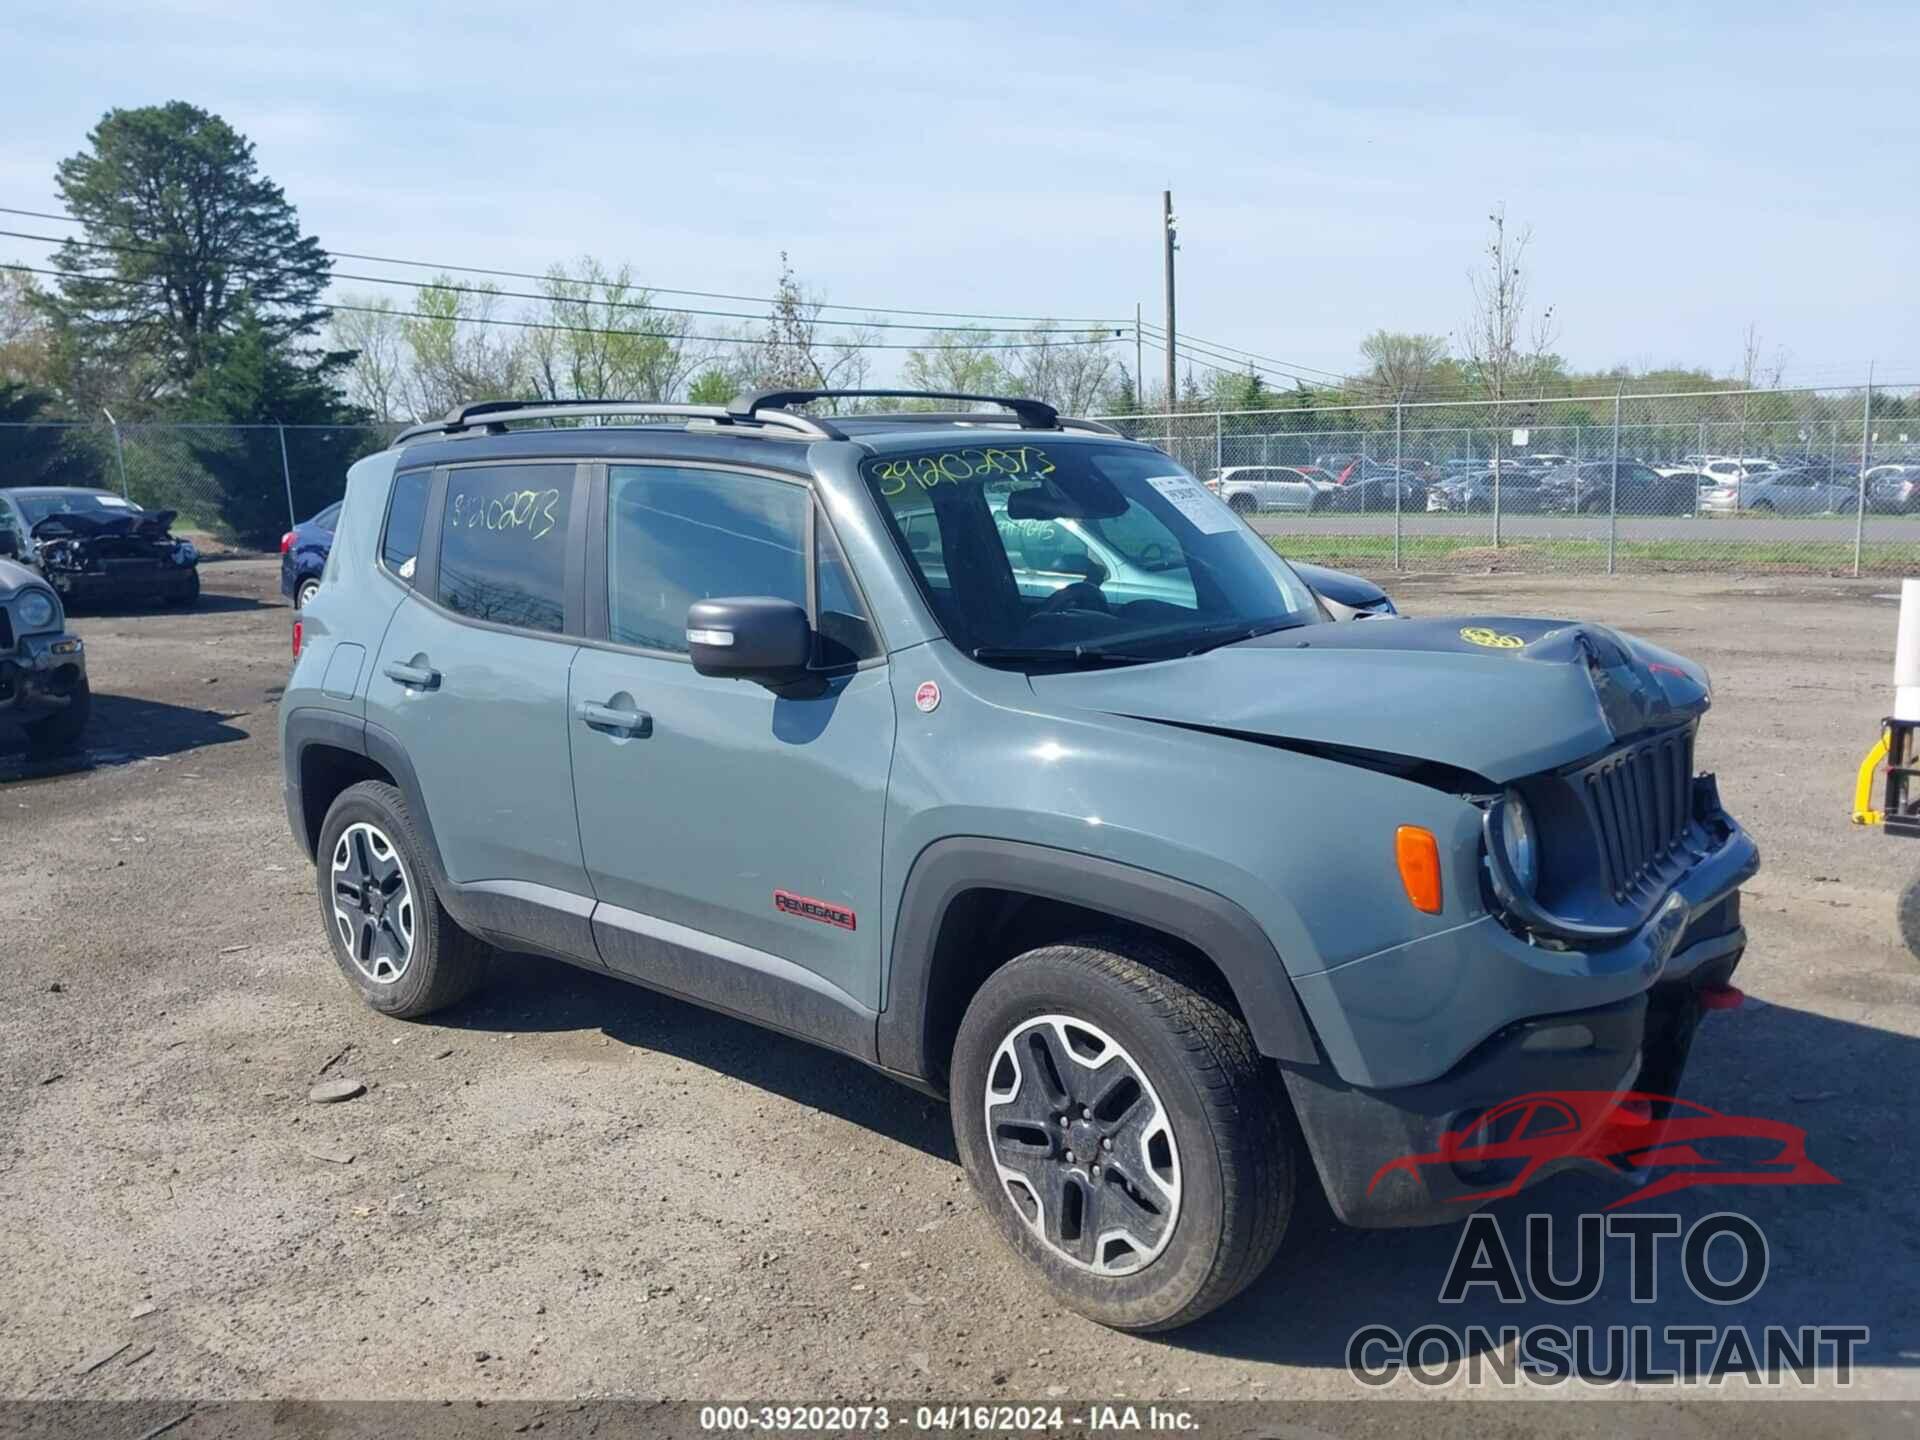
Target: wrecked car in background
(43, 669)
(94, 546)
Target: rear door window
(503, 544)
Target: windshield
(1081, 553)
(95, 503)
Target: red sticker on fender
(807, 908)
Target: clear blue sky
(1686, 169)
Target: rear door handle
(414, 677)
(609, 717)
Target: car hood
(1501, 697)
(1337, 585)
(145, 524)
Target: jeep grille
(1640, 800)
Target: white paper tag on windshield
(1205, 509)
(115, 501)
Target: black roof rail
(493, 415)
(1032, 414)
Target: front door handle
(636, 723)
(414, 677)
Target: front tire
(187, 595)
(1159, 1078)
(1242, 505)
(1909, 914)
(391, 936)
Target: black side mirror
(752, 637)
(9, 542)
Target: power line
(496, 293)
(637, 334)
(655, 289)
(1290, 368)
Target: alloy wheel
(373, 903)
(1083, 1147)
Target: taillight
(1213, 485)
(286, 542)
(299, 633)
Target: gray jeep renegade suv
(839, 724)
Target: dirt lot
(570, 1187)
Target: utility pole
(1139, 361)
(1166, 199)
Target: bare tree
(793, 354)
(1402, 365)
(964, 362)
(1506, 351)
(604, 340)
(1069, 369)
(376, 378)
(455, 355)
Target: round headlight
(184, 553)
(34, 610)
(1517, 836)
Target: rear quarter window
(406, 516)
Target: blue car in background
(303, 555)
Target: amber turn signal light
(1419, 856)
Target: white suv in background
(1250, 488)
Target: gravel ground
(570, 1187)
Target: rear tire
(62, 729)
(390, 935)
(1243, 505)
(1161, 1080)
(305, 591)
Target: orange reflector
(1419, 856)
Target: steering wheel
(1080, 595)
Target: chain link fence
(1820, 482)
(242, 485)
(1752, 481)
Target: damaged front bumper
(43, 674)
(1608, 1018)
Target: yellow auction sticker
(1492, 639)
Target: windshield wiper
(1063, 654)
(1235, 632)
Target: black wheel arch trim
(1214, 925)
(304, 728)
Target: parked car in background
(1249, 489)
(303, 555)
(1640, 489)
(1375, 494)
(1519, 492)
(1894, 489)
(1346, 596)
(93, 546)
(1781, 492)
(43, 668)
